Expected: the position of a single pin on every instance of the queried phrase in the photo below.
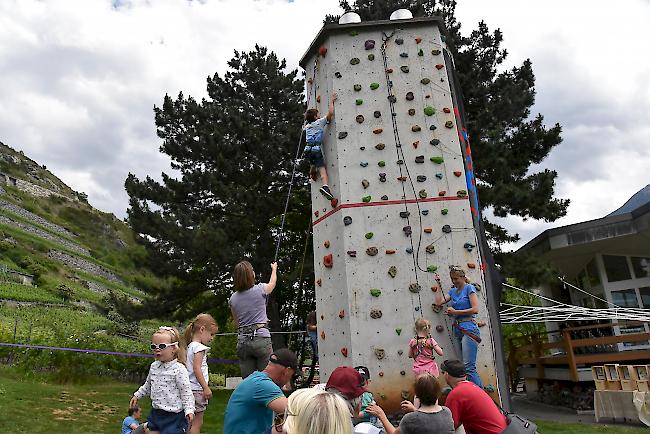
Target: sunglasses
(162, 346)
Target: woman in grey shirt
(248, 307)
(429, 418)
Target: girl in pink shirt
(421, 349)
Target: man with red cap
(348, 383)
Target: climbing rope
(293, 172)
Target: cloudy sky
(79, 79)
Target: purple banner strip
(109, 353)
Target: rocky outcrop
(45, 235)
(83, 265)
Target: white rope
(585, 292)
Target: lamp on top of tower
(350, 18)
(401, 14)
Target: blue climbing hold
(363, 164)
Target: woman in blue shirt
(463, 309)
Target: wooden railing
(542, 350)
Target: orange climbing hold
(334, 202)
(428, 230)
(442, 193)
(440, 66)
(378, 130)
(342, 313)
(389, 71)
(458, 173)
(446, 110)
(471, 265)
(322, 333)
(434, 288)
(318, 98)
(390, 252)
(327, 244)
(328, 261)
(401, 178)
(415, 144)
(322, 51)
(418, 40)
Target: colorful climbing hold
(316, 213)
(436, 308)
(444, 211)
(402, 178)
(319, 282)
(354, 61)
(390, 251)
(469, 246)
(374, 86)
(400, 352)
(384, 197)
(358, 101)
(432, 268)
(369, 44)
(366, 199)
(328, 261)
(416, 128)
(441, 193)
(327, 244)
(344, 351)
(437, 160)
(354, 33)
(381, 373)
(375, 313)
(343, 135)
(407, 231)
(322, 51)
(449, 124)
(377, 114)
(372, 251)
(352, 253)
(440, 328)
(409, 96)
(429, 111)
(375, 292)
(347, 220)
(392, 271)
(360, 119)
(399, 41)
(419, 159)
(439, 175)
(363, 164)
(420, 52)
(334, 202)
(404, 214)
(435, 52)
(471, 265)
(418, 40)
(404, 69)
(369, 235)
(389, 71)
(381, 163)
(342, 313)
(382, 177)
(425, 212)
(434, 142)
(430, 249)
(400, 162)
(380, 146)
(404, 55)
(337, 74)
(411, 112)
(428, 230)
(432, 127)
(415, 144)
(446, 229)
(409, 250)
(365, 183)
(378, 130)
(380, 353)
(457, 173)
(322, 334)
(421, 178)
(415, 288)
(392, 99)
(461, 193)
(423, 194)
(357, 87)
(318, 98)
(425, 81)
(440, 66)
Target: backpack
(518, 425)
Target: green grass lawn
(33, 407)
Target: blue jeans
(313, 338)
(469, 349)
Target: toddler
(199, 333)
(168, 385)
(367, 399)
(421, 349)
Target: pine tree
(233, 153)
(505, 139)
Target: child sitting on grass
(199, 333)
(314, 131)
(130, 424)
(168, 385)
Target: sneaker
(325, 191)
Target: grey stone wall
(83, 265)
(45, 235)
(35, 218)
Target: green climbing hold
(354, 33)
(359, 102)
(374, 86)
(398, 331)
(444, 211)
(369, 235)
(425, 81)
(432, 268)
(420, 52)
(382, 163)
(429, 111)
(371, 57)
(392, 271)
(375, 292)
(366, 198)
(357, 87)
(437, 160)
(354, 61)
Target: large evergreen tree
(505, 139)
(233, 153)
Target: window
(616, 268)
(592, 271)
(625, 298)
(645, 296)
(641, 267)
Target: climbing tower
(400, 169)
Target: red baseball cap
(346, 380)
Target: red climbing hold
(322, 333)
(390, 252)
(389, 70)
(471, 265)
(342, 313)
(428, 230)
(415, 144)
(401, 178)
(322, 51)
(344, 351)
(378, 130)
(319, 282)
(334, 202)
(434, 288)
(440, 66)
(446, 110)
(381, 373)
(418, 40)
(442, 193)
(316, 213)
(458, 173)
(327, 261)
(327, 244)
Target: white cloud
(80, 79)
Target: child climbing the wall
(168, 385)
(314, 131)
(199, 333)
(422, 347)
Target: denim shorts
(166, 422)
(314, 154)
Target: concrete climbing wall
(401, 211)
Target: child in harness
(314, 131)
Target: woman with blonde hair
(313, 411)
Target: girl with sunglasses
(168, 385)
